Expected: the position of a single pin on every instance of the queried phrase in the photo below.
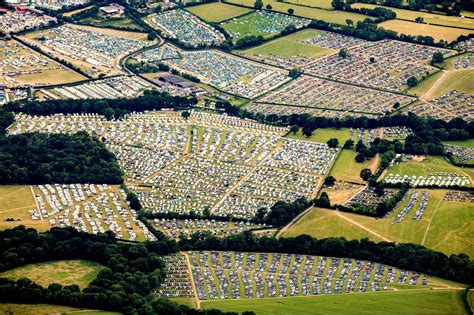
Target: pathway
(341, 215)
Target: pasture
(64, 272)
(411, 28)
(407, 302)
(345, 167)
(290, 46)
(43, 309)
(217, 11)
(445, 226)
(338, 17)
(430, 18)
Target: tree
(206, 212)
(349, 22)
(291, 11)
(396, 105)
(419, 19)
(329, 181)
(294, 73)
(372, 59)
(185, 114)
(360, 158)
(152, 36)
(343, 53)
(269, 6)
(349, 144)
(437, 58)
(412, 81)
(294, 129)
(109, 113)
(323, 201)
(258, 4)
(307, 131)
(365, 174)
(379, 190)
(333, 143)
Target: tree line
(40, 158)
(132, 271)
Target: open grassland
(446, 226)
(429, 18)
(323, 4)
(101, 21)
(465, 143)
(398, 302)
(217, 11)
(185, 301)
(338, 17)
(51, 77)
(459, 80)
(323, 135)
(430, 165)
(425, 85)
(411, 28)
(65, 272)
(347, 169)
(15, 203)
(40, 309)
(291, 45)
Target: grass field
(398, 302)
(460, 80)
(323, 135)
(65, 272)
(431, 165)
(217, 11)
(40, 309)
(291, 45)
(411, 28)
(323, 4)
(425, 85)
(465, 143)
(70, 13)
(338, 17)
(15, 202)
(347, 169)
(101, 21)
(429, 18)
(446, 226)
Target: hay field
(217, 11)
(65, 272)
(437, 32)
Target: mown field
(217, 11)
(338, 17)
(347, 169)
(323, 135)
(40, 309)
(291, 45)
(65, 272)
(323, 4)
(411, 28)
(100, 21)
(465, 143)
(398, 302)
(446, 226)
(429, 18)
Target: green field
(323, 4)
(9, 308)
(291, 45)
(65, 272)
(429, 18)
(465, 143)
(323, 135)
(437, 32)
(217, 11)
(425, 85)
(431, 165)
(338, 17)
(100, 21)
(347, 169)
(446, 226)
(398, 302)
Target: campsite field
(446, 226)
(338, 17)
(65, 272)
(407, 302)
(217, 11)
(429, 18)
(411, 28)
(291, 45)
(43, 309)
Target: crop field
(429, 18)
(338, 17)
(20, 65)
(46, 309)
(217, 11)
(323, 4)
(64, 272)
(437, 32)
(445, 225)
(347, 169)
(406, 302)
(290, 46)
